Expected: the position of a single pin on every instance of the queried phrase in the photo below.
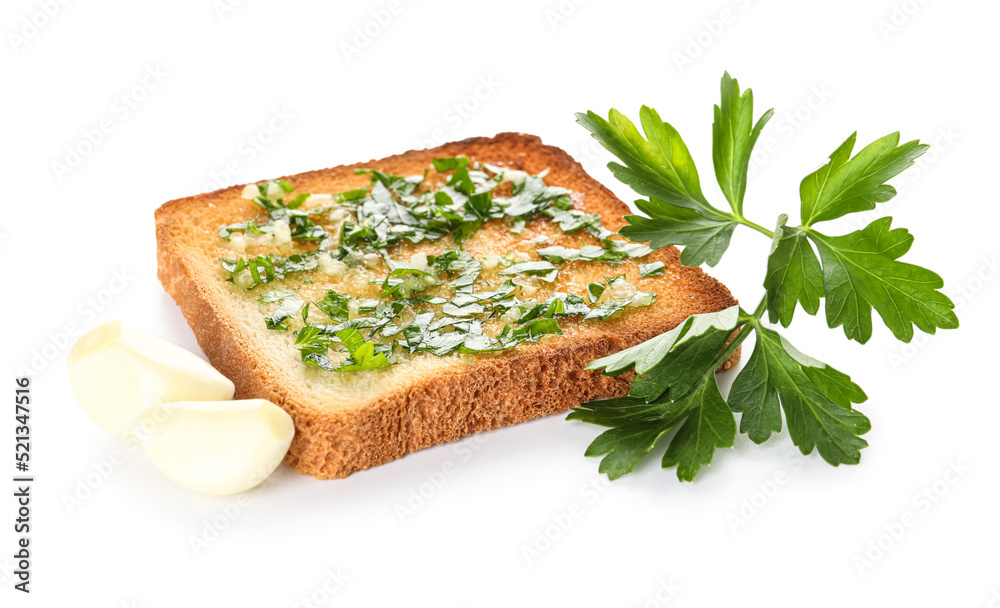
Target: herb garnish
(438, 304)
(675, 385)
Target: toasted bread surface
(351, 421)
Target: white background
(928, 69)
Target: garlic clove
(118, 370)
(216, 447)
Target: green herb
(675, 385)
(462, 182)
(334, 305)
(395, 209)
(613, 251)
(290, 306)
(543, 270)
(250, 272)
(350, 195)
(442, 165)
(314, 346)
(594, 291)
(532, 330)
(272, 195)
(251, 227)
(612, 306)
(653, 269)
(532, 196)
(363, 356)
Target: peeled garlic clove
(216, 447)
(118, 370)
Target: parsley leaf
(532, 330)
(594, 291)
(793, 274)
(613, 251)
(674, 360)
(251, 227)
(705, 238)
(653, 269)
(636, 427)
(402, 283)
(350, 195)
(630, 297)
(543, 270)
(531, 196)
(708, 424)
(314, 346)
(251, 272)
(480, 205)
(558, 255)
(657, 166)
(708, 427)
(861, 271)
(334, 305)
(462, 182)
(816, 398)
(274, 296)
(661, 168)
(847, 185)
(290, 306)
(443, 165)
(363, 356)
(734, 135)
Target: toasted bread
(346, 422)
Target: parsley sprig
(675, 387)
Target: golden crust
(452, 401)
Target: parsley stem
(742, 220)
(745, 329)
(743, 335)
(761, 308)
(740, 337)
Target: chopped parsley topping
(654, 269)
(441, 303)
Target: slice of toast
(346, 422)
